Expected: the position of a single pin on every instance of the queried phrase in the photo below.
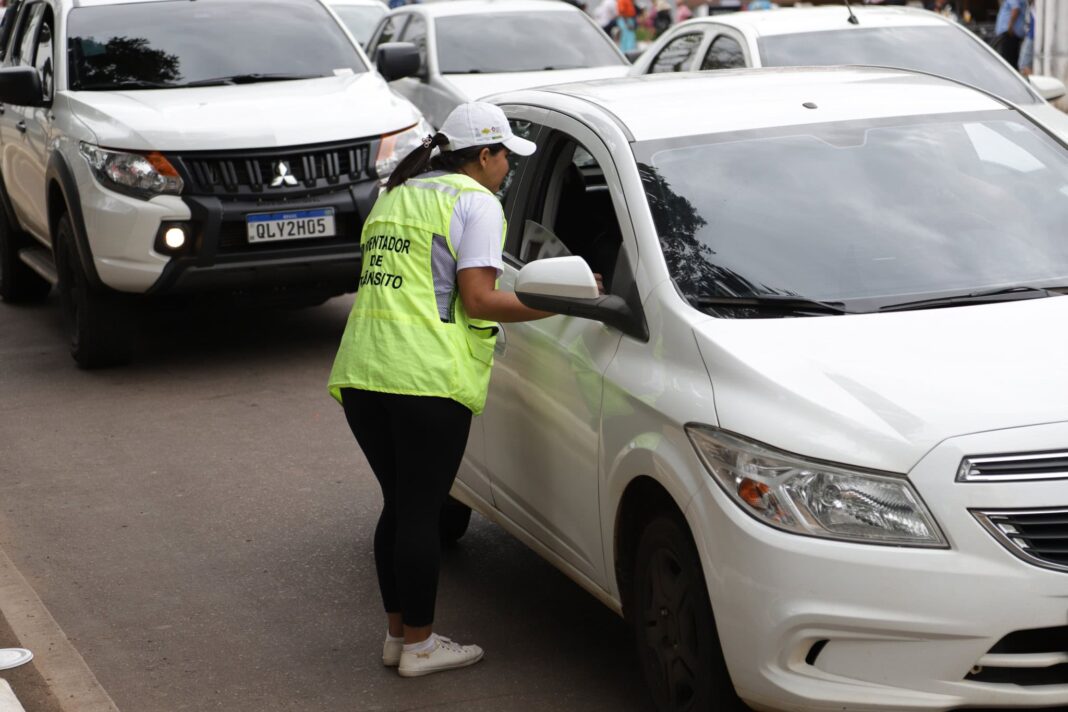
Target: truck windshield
(868, 215)
(946, 51)
(172, 44)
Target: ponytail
(416, 162)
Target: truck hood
(244, 116)
(881, 390)
(476, 86)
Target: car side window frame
(708, 50)
(11, 18)
(29, 21)
(697, 36)
(46, 69)
(421, 43)
(376, 39)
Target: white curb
(8, 701)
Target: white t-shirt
(475, 231)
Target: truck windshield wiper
(128, 84)
(248, 79)
(774, 302)
(989, 296)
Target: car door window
(571, 211)
(723, 53)
(509, 190)
(415, 33)
(388, 31)
(27, 32)
(42, 55)
(676, 55)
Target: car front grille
(277, 172)
(1038, 536)
(1036, 656)
(1010, 468)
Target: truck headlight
(815, 498)
(140, 175)
(395, 146)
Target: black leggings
(414, 445)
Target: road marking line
(71, 681)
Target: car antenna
(852, 18)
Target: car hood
(476, 86)
(881, 390)
(244, 116)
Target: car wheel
(100, 325)
(675, 632)
(455, 516)
(18, 283)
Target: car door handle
(21, 126)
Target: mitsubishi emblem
(282, 176)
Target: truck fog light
(174, 238)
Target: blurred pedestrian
(605, 15)
(683, 11)
(414, 361)
(1027, 48)
(1010, 28)
(627, 22)
(662, 19)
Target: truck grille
(1038, 536)
(277, 172)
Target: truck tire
(100, 324)
(455, 516)
(18, 283)
(674, 630)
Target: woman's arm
(482, 299)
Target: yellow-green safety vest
(395, 340)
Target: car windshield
(172, 44)
(946, 51)
(862, 214)
(360, 19)
(521, 42)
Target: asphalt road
(198, 524)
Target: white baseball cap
(478, 123)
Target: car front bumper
(814, 624)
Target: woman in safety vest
(414, 361)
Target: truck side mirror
(21, 86)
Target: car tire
(674, 629)
(455, 517)
(18, 283)
(100, 325)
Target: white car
(812, 443)
(151, 149)
(903, 37)
(360, 16)
(471, 48)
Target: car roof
(682, 104)
(788, 21)
(477, 7)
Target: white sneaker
(445, 655)
(391, 652)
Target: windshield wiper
(248, 79)
(989, 296)
(773, 302)
(128, 84)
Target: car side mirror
(397, 60)
(21, 86)
(566, 285)
(1049, 88)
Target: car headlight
(140, 175)
(815, 498)
(395, 146)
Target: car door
(39, 122)
(542, 418)
(425, 88)
(16, 156)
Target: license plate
(293, 225)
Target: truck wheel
(100, 324)
(455, 516)
(18, 283)
(675, 633)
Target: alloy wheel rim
(669, 626)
